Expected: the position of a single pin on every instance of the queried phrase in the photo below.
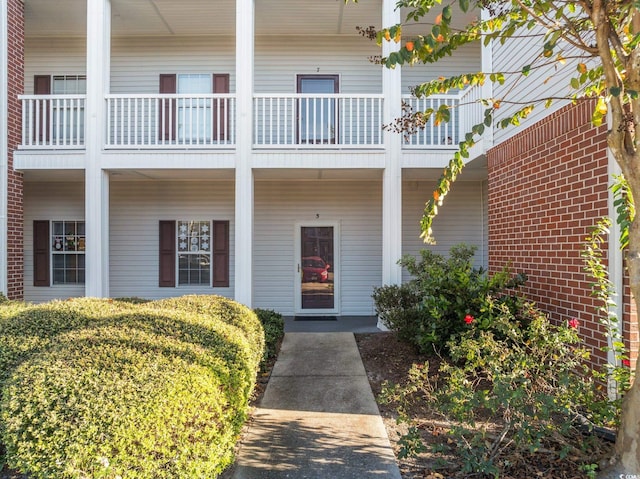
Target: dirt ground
(387, 359)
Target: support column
(244, 139)
(392, 178)
(97, 180)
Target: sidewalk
(318, 418)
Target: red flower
(573, 323)
(469, 319)
(626, 362)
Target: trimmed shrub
(427, 310)
(273, 326)
(102, 389)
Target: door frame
(297, 268)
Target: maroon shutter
(42, 86)
(220, 110)
(167, 113)
(41, 253)
(167, 266)
(220, 250)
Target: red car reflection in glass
(314, 269)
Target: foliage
(273, 326)
(603, 290)
(511, 389)
(597, 41)
(426, 310)
(107, 389)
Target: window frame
(66, 242)
(204, 238)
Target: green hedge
(102, 388)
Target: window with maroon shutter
(220, 251)
(220, 110)
(167, 254)
(42, 86)
(41, 252)
(194, 253)
(167, 113)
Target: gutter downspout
(4, 152)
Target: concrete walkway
(318, 418)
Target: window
(194, 114)
(62, 120)
(194, 251)
(67, 249)
(59, 252)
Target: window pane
(67, 241)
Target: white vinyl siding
(49, 201)
(279, 59)
(552, 80)
(281, 205)
(465, 60)
(53, 56)
(136, 209)
(462, 219)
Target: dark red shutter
(220, 110)
(167, 267)
(167, 113)
(41, 253)
(42, 86)
(220, 250)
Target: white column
(244, 140)
(392, 176)
(4, 152)
(487, 89)
(97, 180)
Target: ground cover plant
(107, 389)
(508, 387)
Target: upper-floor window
(69, 84)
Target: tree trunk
(626, 463)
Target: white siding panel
(465, 60)
(551, 80)
(49, 201)
(137, 208)
(137, 62)
(355, 205)
(462, 219)
(279, 59)
(53, 56)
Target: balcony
(207, 121)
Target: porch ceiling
(207, 17)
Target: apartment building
(155, 148)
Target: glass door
(317, 113)
(317, 271)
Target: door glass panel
(317, 267)
(317, 116)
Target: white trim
(244, 197)
(297, 274)
(616, 271)
(4, 152)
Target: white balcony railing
(178, 121)
(52, 122)
(170, 121)
(317, 121)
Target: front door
(317, 271)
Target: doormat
(315, 318)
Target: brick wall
(15, 47)
(547, 188)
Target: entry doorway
(317, 270)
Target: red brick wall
(547, 188)
(15, 47)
